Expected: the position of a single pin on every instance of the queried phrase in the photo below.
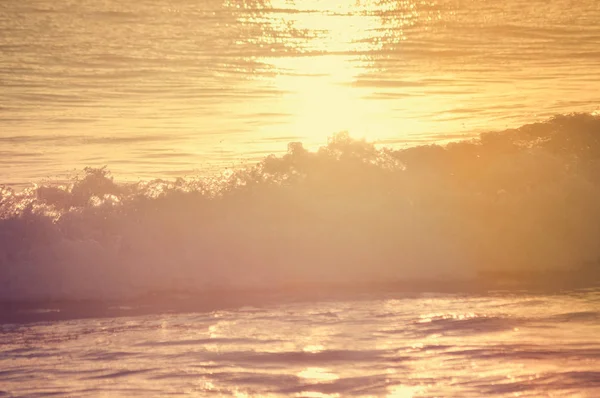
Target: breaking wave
(521, 204)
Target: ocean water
(497, 345)
(518, 209)
(460, 271)
(157, 89)
(312, 199)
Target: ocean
(165, 89)
(426, 345)
(312, 199)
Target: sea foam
(524, 201)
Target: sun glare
(331, 47)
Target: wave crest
(523, 201)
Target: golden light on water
(317, 374)
(165, 89)
(320, 92)
(332, 47)
(318, 97)
(403, 391)
(364, 268)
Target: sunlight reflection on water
(368, 348)
(156, 90)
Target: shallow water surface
(164, 88)
(501, 345)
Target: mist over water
(515, 206)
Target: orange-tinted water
(167, 88)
